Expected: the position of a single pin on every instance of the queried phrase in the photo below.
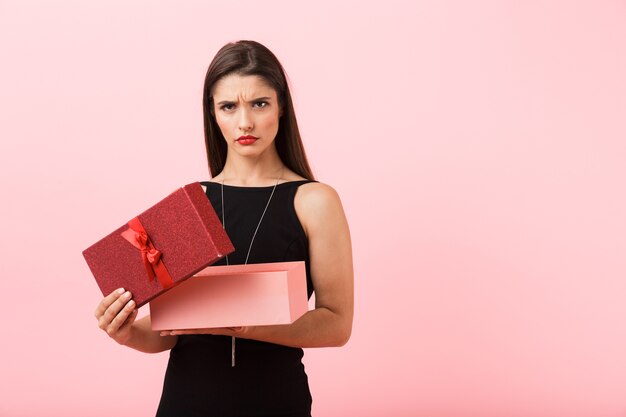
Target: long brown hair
(246, 57)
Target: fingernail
(130, 303)
(121, 291)
(127, 294)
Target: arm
(330, 324)
(116, 315)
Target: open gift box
(235, 295)
(164, 245)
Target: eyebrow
(255, 99)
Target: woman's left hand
(240, 331)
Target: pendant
(232, 352)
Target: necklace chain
(251, 242)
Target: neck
(244, 171)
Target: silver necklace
(232, 356)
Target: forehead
(234, 86)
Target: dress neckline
(264, 187)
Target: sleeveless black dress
(268, 379)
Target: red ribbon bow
(150, 255)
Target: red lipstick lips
(247, 140)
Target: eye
(227, 106)
(260, 104)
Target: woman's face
(247, 112)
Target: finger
(236, 329)
(121, 317)
(188, 331)
(113, 310)
(130, 319)
(107, 301)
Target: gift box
(235, 295)
(164, 245)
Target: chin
(250, 150)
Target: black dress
(268, 379)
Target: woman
(273, 211)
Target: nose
(245, 121)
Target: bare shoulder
(317, 202)
(316, 194)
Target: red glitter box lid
(183, 227)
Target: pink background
(479, 149)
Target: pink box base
(236, 295)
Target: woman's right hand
(116, 314)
